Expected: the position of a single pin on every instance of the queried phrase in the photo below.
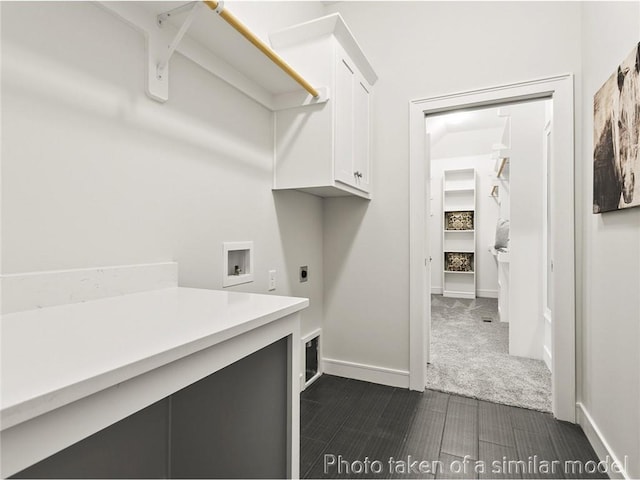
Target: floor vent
(487, 319)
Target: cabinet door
(343, 134)
(361, 138)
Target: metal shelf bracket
(161, 47)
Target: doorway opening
(490, 338)
(561, 244)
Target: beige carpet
(470, 357)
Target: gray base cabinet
(231, 424)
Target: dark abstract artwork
(616, 123)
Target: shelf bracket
(161, 47)
(163, 17)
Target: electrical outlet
(272, 280)
(304, 274)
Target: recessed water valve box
(237, 261)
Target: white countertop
(56, 355)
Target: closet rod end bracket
(217, 7)
(162, 18)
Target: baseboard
(479, 293)
(455, 294)
(598, 442)
(367, 373)
(487, 293)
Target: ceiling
(465, 132)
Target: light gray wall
(94, 173)
(428, 48)
(610, 328)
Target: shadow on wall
(78, 94)
(346, 216)
(299, 217)
(290, 138)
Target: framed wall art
(616, 123)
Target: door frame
(547, 253)
(561, 89)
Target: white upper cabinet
(324, 149)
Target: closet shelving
(209, 35)
(459, 235)
(502, 168)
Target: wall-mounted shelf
(459, 189)
(200, 34)
(502, 167)
(461, 208)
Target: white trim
(561, 89)
(308, 337)
(456, 294)
(486, 293)
(419, 266)
(598, 442)
(367, 373)
(312, 379)
(31, 290)
(229, 280)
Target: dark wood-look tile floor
(353, 429)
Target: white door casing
(547, 248)
(560, 89)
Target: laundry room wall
(609, 389)
(95, 173)
(419, 50)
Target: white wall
(466, 143)
(94, 173)
(610, 328)
(419, 49)
(486, 219)
(526, 324)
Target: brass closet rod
(228, 17)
